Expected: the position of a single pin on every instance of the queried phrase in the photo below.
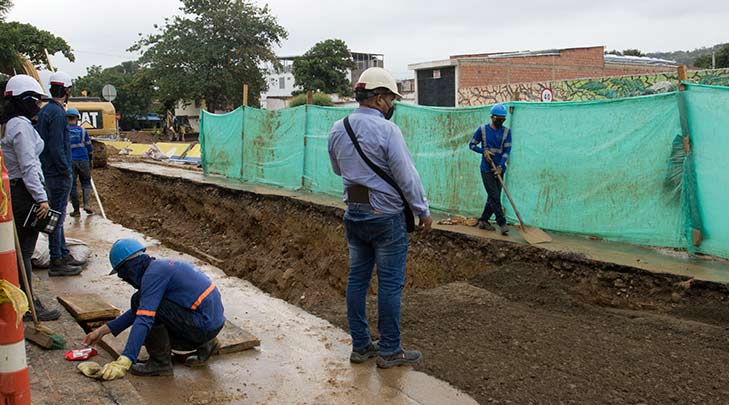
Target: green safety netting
(708, 115)
(221, 142)
(596, 168)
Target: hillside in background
(685, 57)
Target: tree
(24, 39)
(633, 52)
(721, 55)
(134, 85)
(211, 50)
(5, 6)
(324, 68)
(316, 99)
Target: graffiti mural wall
(601, 88)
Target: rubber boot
(87, 195)
(59, 268)
(203, 353)
(159, 349)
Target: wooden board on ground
(88, 307)
(232, 339)
(114, 345)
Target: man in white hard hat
(383, 192)
(52, 126)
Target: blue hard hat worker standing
(176, 306)
(81, 158)
(493, 142)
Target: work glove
(498, 170)
(116, 369)
(90, 369)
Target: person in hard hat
(176, 306)
(493, 141)
(375, 222)
(81, 157)
(21, 147)
(56, 162)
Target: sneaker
(403, 358)
(504, 229)
(485, 225)
(71, 261)
(59, 268)
(362, 355)
(75, 213)
(44, 314)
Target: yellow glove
(116, 369)
(90, 369)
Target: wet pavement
(645, 258)
(302, 359)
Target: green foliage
(17, 38)
(5, 6)
(134, 86)
(632, 52)
(211, 50)
(324, 68)
(722, 59)
(316, 99)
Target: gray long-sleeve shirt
(21, 146)
(384, 145)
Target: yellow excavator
(98, 117)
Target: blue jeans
(381, 239)
(59, 188)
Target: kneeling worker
(176, 306)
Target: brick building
(438, 82)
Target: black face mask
(498, 123)
(390, 112)
(27, 106)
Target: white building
(281, 81)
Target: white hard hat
(376, 77)
(20, 84)
(61, 79)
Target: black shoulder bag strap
(409, 218)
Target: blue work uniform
(81, 147)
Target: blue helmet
(498, 110)
(123, 250)
(72, 111)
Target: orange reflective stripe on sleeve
(202, 296)
(146, 313)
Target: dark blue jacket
(179, 282)
(52, 126)
(497, 141)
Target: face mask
(498, 123)
(28, 106)
(390, 111)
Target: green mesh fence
(595, 168)
(708, 115)
(221, 142)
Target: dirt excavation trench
(503, 322)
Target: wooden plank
(114, 345)
(235, 339)
(88, 307)
(232, 339)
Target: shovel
(531, 234)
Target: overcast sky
(406, 31)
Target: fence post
(696, 233)
(245, 95)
